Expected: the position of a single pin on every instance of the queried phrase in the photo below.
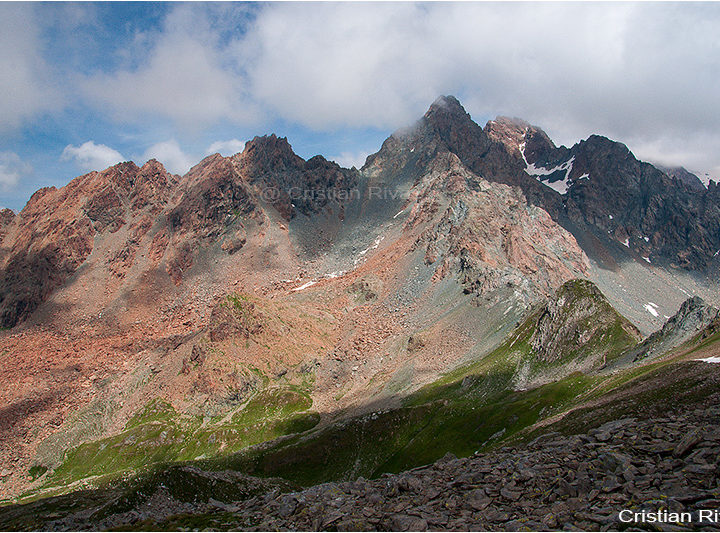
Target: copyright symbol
(270, 194)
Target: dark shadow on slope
(15, 413)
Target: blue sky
(85, 85)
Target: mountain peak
(446, 104)
(152, 166)
(270, 153)
(519, 137)
(268, 142)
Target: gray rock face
(571, 318)
(693, 318)
(681, 173)
(657, 213)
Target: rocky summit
(478, 329)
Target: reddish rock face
(55, 232)
(125, 205)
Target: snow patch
(650, 309)
(585, 177)
(647, 239)
(399, 212)
(305, 286)
(542, 171)
(716, 253)
(646, 259)
(375, 244)
(627, 242)
(610, 217)
(561, 186)
(709, 360)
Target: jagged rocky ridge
(601, 184)
(223, 289)
(597, 183)
(220, 199)
(694, 318)
(605, 189)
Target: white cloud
(24, 85)
(336, 65)
(646, 74)
(226, 148)
(12, 169)
(185, 77)
(623, 70)
(90, 156)
(350, 159)
(170, 155)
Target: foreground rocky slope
(556, 482)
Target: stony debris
(580, 482)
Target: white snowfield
(560, 186)
(651, 308)
(715, 359)
(305, 286)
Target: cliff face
(55, 233)
(601, 185)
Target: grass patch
(157, 434)
(37, 471)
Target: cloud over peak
(226, 148)
(90, 156)
(12, 169)
(170, 155)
